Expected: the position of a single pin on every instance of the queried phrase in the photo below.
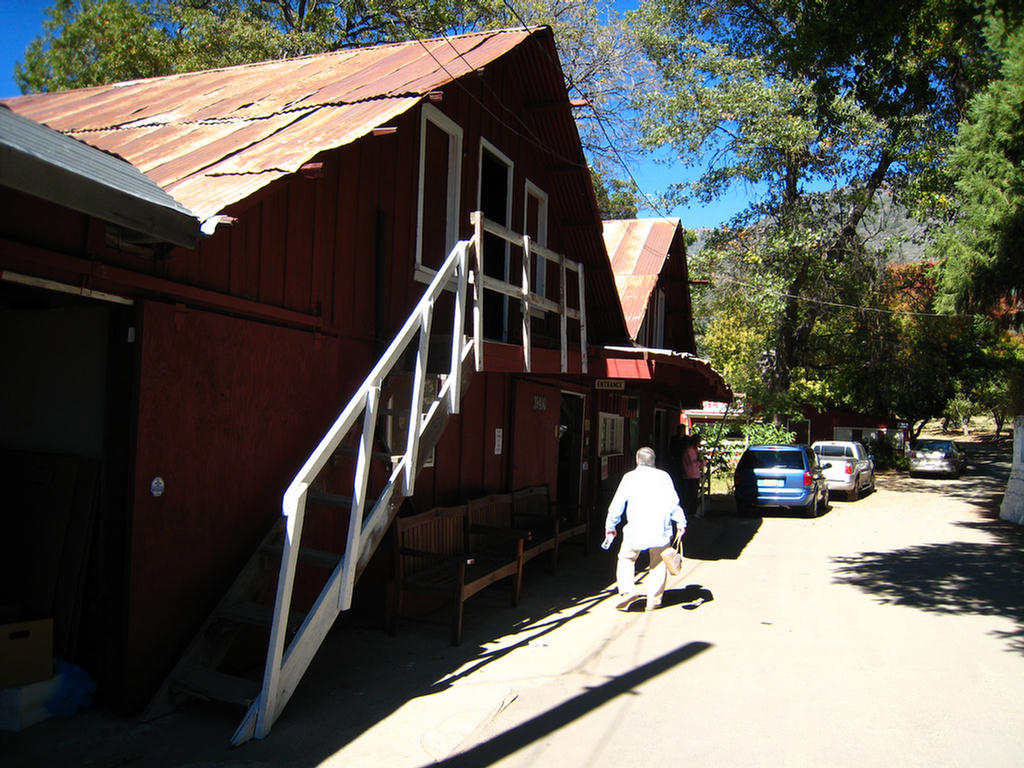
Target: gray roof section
(47, 164)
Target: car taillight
(808, 479)
(849, 469)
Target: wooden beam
(27, 260)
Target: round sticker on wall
(157, 486)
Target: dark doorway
(570, 455)
(66, 395)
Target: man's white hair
(645, 457)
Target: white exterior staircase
(294, 637)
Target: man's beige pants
(625, 575)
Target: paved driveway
(889, 631)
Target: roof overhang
(693, 378)
(44, 163)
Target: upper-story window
(440, 185)
(652, 333)
(535, 224)
(495, 202)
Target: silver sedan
(939, 457)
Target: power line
(840, 305)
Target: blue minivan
(780, 476)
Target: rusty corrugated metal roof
(637, 249)
(213, 138)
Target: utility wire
(840, 305)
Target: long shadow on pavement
(719, 536)
(523, 735)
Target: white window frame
(454, 192)
(540, 272)
(610, 434)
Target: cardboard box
(25, 705)
(26, 652)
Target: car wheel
(812, 508)
(855, 491)
(744, 508)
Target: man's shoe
(625, 601)
(653, 606)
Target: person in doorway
(649, 500)
(691, 474)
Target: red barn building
(334, 191)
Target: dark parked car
(781, 476)
(942, 457)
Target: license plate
(771, 483)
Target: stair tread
(315, 557)
(329, 499)
(256, 614)
(351, 450)
(219, 686)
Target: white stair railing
(286, 666)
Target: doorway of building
(662, 434)
(66, 389)
(570, 455)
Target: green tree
(997, 385)
(604, 67)
(616, 199)
(982, 248)
(784, 97)
(911, 361)
(94, 42)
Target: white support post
(458, 332)
(583, 318)
(293, 507)
(362, 476)
(564, 317)
(527, 354)
(478, 288)
(416, 406)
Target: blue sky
(22, 20)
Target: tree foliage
(604, 67)
(982, 248)
(786, 99)
(95, 42)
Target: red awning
(694, 378)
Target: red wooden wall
(227, 410)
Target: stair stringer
(326, 609)
(285, 667)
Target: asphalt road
(889, 631)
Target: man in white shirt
(653, 505)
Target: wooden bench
(533, 509)
(432, 556)
(493, 523)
